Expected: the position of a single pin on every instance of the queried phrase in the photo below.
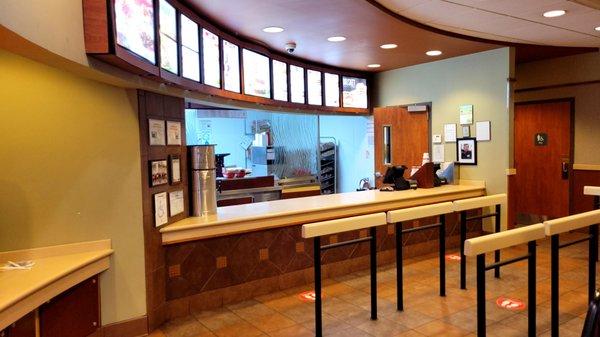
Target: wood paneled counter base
(56, 269)
(280, 213)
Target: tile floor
(347, 302)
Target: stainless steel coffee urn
(204, 183)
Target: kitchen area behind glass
(263, 156)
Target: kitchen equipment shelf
(328, 165)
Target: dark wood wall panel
(167, 108)
(74, 313)
(579, 202)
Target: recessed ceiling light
(388, 46)
(434, 53)
(374, 65)
(273, 29)
(336, 39)
(597, 28)
(555, 13)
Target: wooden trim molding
(556, 86)
(49, 277)
(586, 167)
(135, 327)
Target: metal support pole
(318, 304)
(481, 295)
(463, 258)
(593, 252)
(531, 294)
(373, 251)
(597, 206)
(554, 243)
(497, 230)
(399, 272)
(443, 255)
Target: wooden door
(409, 137)
(543, 157)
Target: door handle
(565, 170)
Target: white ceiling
(509, 20)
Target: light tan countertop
(279, 213)
(56, 269)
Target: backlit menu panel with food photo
(354, 92)
(231, 66)
(135, 27)
(257, 80)
(211, 61)
(190, 49)
(280, 85)
(168, 37)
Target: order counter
(279, 213)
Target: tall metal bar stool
(397, 217)
(497, 201)
(493, 242)
(553, 229)
(318, 229)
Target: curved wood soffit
(524, 52)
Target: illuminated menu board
(354, 92)
(190, 49)
(332, 90)
(211, 66)
(297, 84)
(257, 78)
(168, 37)
(280, 88)
(135, 27)
(315, 96)
(231, 66)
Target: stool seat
(343, 225)
(509, 238)
(572, 222)
(419, 212)
(479, 202)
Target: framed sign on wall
(466, 151)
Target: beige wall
(479, 79)
(71, 172)
(571, 69)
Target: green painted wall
(71, 172)
(479, 79)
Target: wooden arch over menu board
(137, 48)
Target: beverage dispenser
(204, 180)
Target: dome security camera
(290, 47)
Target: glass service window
(211, 67)
(190, 49)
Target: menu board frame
(100, 43)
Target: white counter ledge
(56, 269)
(280, 213)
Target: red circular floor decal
(309, 296)
(453, 257)
(510, 304)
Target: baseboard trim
(135, 327)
